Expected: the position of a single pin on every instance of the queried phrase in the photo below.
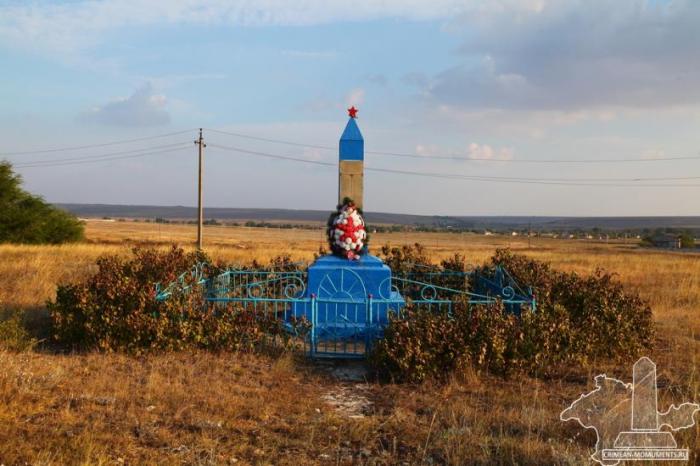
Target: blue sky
(504, 80)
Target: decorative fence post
(369, 327)
(314, 320)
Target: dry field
(203, 408)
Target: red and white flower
(346, 233)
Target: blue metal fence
(343, 327)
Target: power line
(385, 153)
(521, 180)
(91, 146)
(559, 161)
(602, 183)
(275, 141)
(91, 157)
(135, 153)
(272, 156)
(454, 157)
(595, 182)
(589, 180)
(105, 159)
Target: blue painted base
(353, 298)
(332, 277)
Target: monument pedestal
(353, 298)
(332, 277)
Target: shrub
(116, 309)
(603, 318)
(425, 344)
(25, 218)
(407, 259)
(413, 262)
(13, 334)
(577, 319)
(687, 239)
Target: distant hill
(461, 222)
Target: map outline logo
(626, 419)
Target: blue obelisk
(351, 162)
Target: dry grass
(202, 408)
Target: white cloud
(142, 108)
(473, 151)
(173, 80)
(576, 54)
(75, 26)
(335, 104)
(654, 154)
(428, 150)
(312, 153)
(355, 97)
(485, 152)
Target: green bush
(604, 318)
(407, 259)
(13, 333)
(25, 218)
(116, 309)
(412, 262)
(425, 344)
(577, 319)
(687, 240)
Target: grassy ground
(203, 408)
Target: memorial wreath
(347, 236)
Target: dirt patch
(352, 401)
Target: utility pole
(200, 212)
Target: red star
(352, 111)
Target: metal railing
(343, 327)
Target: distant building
(666, 241)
